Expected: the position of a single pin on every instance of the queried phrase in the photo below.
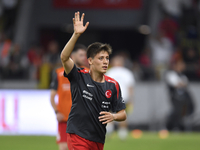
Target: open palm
(79, 28)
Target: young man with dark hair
(93, 94)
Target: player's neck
(77, 65)
(97, 77)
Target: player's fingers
(106, 122)
(103, 116)
(75, 16)
(82, 17)
(103, 112)
(73, 21)
(86, 25)
(103, 119)
(78, 16)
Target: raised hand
(79, 28)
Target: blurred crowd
(35, 64)
(176, 38)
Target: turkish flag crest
(108, 93)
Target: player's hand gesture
(79, 28)
(106, 117)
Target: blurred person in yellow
(126, 79)
(51, 60)
(60, 86)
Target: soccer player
(126, 80)
(180, 96)
(93, 94)
(61, 86)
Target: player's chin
(104, 71)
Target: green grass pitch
(148, 141)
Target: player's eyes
(101, 58)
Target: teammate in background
(93, 94)
(180, 97)
(61, 86)
(126, 80)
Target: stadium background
(127, 26)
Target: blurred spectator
(169, 28)
(177, 55)
(53, 55)
(180, 97)
(192, 60)
(5, 46)
(51, 61)
(35, 55)
(17, 65)
(174, 7)
(126, 80)
(146, 65)
(161, 49)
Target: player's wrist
(76, 35)
(113, 117)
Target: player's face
(80, 57)
(100, 62)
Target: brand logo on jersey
(88, 85)
(108, 93)
(105, 104)
(87, 95)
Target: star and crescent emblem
(108, 93)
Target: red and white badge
(108, 93)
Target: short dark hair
(79, 46)
(97, 47)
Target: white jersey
(125, 78)
(173, 79)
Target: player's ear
(90, 60)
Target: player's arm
(59, 116)
(120, 115)
(107, 117)
(52, 99)
(53, 93)
(79, 28)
